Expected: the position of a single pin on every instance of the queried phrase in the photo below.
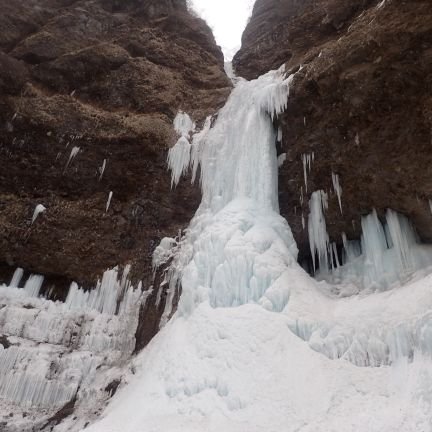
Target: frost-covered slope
(234, 355)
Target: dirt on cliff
(362, 104)
(89, 90)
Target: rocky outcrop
(362, 104)
(89, 90)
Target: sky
(228, 19)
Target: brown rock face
(87, 87)
(362, 104)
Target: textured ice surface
(257, 345)
(56, 351)
(388, 253)
(237, 246)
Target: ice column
(318, 237)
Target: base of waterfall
(244, 369)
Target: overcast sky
(228, 19)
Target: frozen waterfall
(256, 344)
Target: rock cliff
(361, 104)
(89, 90)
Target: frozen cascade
(237, 230)
(56, 349)
(224, 362)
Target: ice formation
(281, 159)
(256, 344)
(60, 351)
(179, 156)
(337, 188)
(102, 169)
(317, 229)
(239, 204)
(75, 150)
(387, 254)
(110, 195)
(211, 365)
(307, 160)
(37, 211)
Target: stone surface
(362, 104)
(106, 77)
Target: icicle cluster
(307, 160)
(317, 229)
(55, 346)
(179, 155)
(385, 255)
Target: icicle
(183, 124)
(33, 285)
(403, 238)
(16, 278)
(110, 195)
(73, 154)
(430, 205)
(335, 254)
(279, 135)
(307, 160)
(318, 237)
(179, 156)
(305, 171)
(105, 297)
(102, 169)
(37, 211)
(281, 159)
(337, 189)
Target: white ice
(102, 169)
(337, 188)
(110, 195)
(40, 208)
(75, 150)
(59, 350)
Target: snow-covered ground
(256, 344)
